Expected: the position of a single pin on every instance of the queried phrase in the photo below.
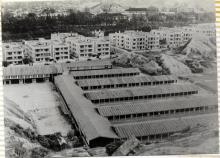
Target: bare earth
(41, 102)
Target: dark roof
(90, 122)
(163, 126)
(124, 80)
(162, 105)
(137, 9)
(51, 69)
(131, 92)
(81, 64)
(106, 71)
(29, 70)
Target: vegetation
(112, 147)
(33, 26)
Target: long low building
(160, 129)
(27, 74)
(39, 73)
(87, 65)
(153, 109)
(119, 82)
(107, 73)
(95, 129)
(147, 93)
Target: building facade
(13, 53)
(85, 48)
(60, 51)
(39, 50)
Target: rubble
(127, 148)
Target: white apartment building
(60, 51)
(152, 41)
(13, 53)
(88, 47)
(39, 50)
(174, 37)
(63, 36)
(207, 29)
(131, 40)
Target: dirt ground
(40, 101)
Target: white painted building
(152, 41)
(60, 51)
(39, 50)
(63, 36)
(131, 40)
(13, 52)
(89, 47)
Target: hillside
(20, 133)
(199, 54)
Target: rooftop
(152, 106)
(105, 72)
(132, 92)
(91, 123)
(124, 80)
(12, 45)
(20, 70)
(163, 126)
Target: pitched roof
(105, 72)
(163, 126)
(84, 64)
(124, 80)
(132, 92)
(28, 70)
(136, 9)
(90, 122)
(162, 105)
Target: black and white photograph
(101, 78)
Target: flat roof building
(60, 51)
(85, 48)
(39, 50)
(13, 53)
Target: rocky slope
(197, 56)
(20, 133)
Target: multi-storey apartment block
(89, 47)
(131, 40)
(134, 40)
(13, 53)
(152, 41)
(39, 50)
(63, 36)
(60, 50)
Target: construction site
(107, 103)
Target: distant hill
(97, 8)
(207, 5)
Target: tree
(27, 60)
(5, 63)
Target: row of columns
(107, 76)
(21, 81)
(148, 97)
(126, 85)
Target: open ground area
(41, 102)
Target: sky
(206, 4)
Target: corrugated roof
(67, 66)
(106, 71)
(90, 122)
(124, 80)
(142, 107)
(143, 91)
(163, 126)
(29, 70)
(50, 69)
